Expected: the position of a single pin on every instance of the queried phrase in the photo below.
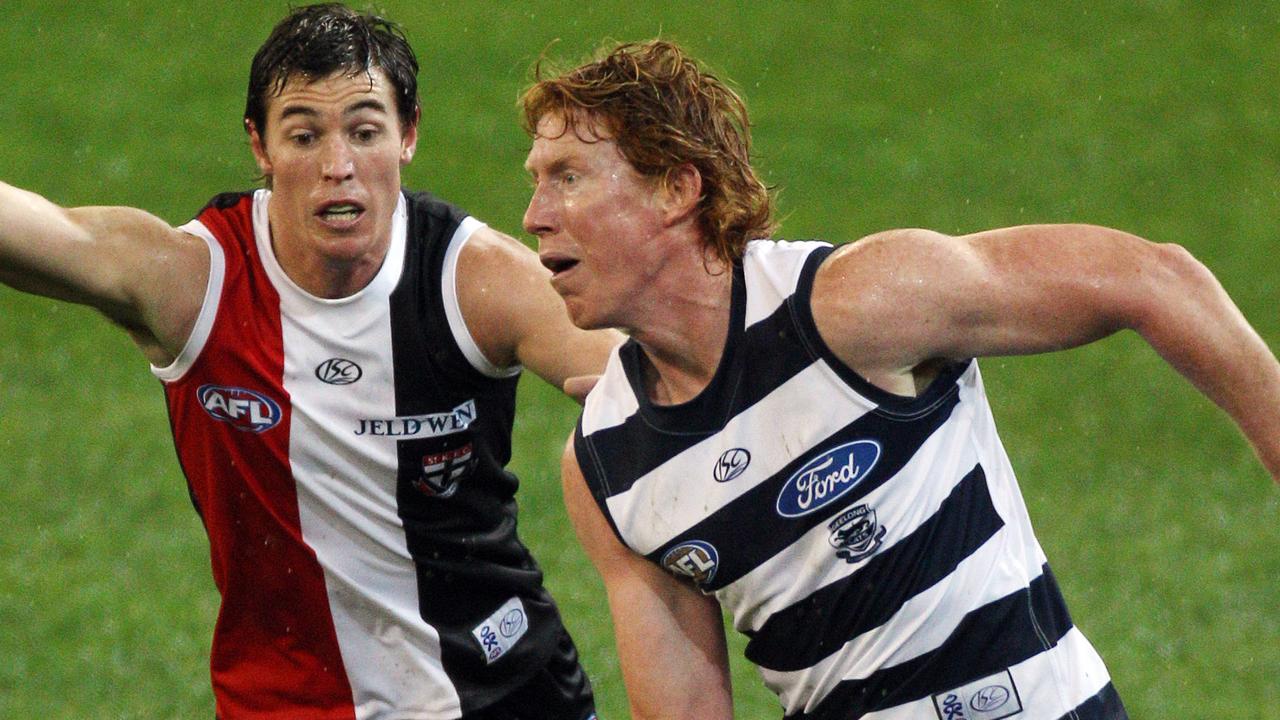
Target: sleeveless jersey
(875, 549)
(347, 460)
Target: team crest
(442, 470)
(855, 534)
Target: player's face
(333, 149)
(595, 217)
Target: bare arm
(895, 300)
(671, 643)
(516, 317)
(141, 273)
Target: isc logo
(242, 409)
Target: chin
(585, 319)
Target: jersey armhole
(889, 403)
(453, 309)
(594, 477)
(208, 308)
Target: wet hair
(663, 110)
(316, 41)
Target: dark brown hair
(315, 41)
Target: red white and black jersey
(347, 459)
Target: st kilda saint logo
(442, 470)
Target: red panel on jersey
(275, 651)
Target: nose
(538, 218)
(338, 162)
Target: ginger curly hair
(663, 110)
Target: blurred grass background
(1156, 117)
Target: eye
(302, 138)
(569, 178)
(365, 135)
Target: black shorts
(559, 691)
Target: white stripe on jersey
(1037, 677)
(346, 485)
(611, 401)
(773, 586)
(778, 269)
(453, 311)
(796, 425)
(208, 308)
(919, 626)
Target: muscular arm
(141, 273)
(516, 317)
(893, 301)
(670, 638)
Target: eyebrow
(308, 111)
(555, 167)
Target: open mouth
(340, 213)
(556, 264)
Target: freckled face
(595, 217)
(333, 149)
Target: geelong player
(799, 433)
(340, 360)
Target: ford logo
(242, 409)
(989, 698)
(826, 478)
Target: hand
(578, 386)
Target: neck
(327, 269)
(685, 338)
(325, 277)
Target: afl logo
(694, 559)
(338, 371)
(826, 478)
(992, 697)
(242, 409)
(731, 464)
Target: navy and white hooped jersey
(874, 549)
(347, 459)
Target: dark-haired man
(799, 433)
(339, 359)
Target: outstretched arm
(141, 273)
(893, 301)
(516, 317)
(671, 643)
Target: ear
(409, 143)
(681, 193)
(259, 147)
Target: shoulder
(492, 260)
(497, 281)
(906, 251)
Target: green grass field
(1156, 117)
